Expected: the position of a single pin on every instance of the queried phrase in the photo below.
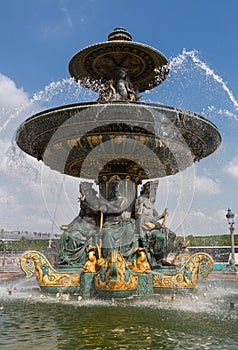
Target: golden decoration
(115, 274)
(46, 275)
(187, 275)
(93, 264)
(140, 264)
(148, 226)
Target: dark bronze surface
(93, 66)
(144, 140)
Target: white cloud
(4, 145)
(13, 161)
(205, 185)
(14, 106)
(63, 22)
(198, 222)
(22, 205)
(20, 189)
(232, 168)
(67, 18)
(5, 198)
(10, 95)
(203, 223)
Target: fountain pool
(205, 319)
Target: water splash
(52, 89)
(179, 61)
(67, 91)
(212, 297)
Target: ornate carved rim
(71, 133)
(147, 67)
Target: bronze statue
(118, 230)
(155, 237)
(123, 85)
(82, 231)
(119, 87)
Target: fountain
(118, 245)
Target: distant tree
(2, 246)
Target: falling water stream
(206, 319)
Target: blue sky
(38, 39)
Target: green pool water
(206, 319)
